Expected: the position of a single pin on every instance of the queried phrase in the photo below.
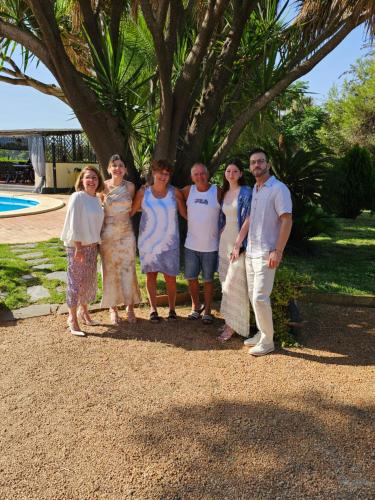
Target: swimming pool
(10, 203)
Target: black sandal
(154, 317)
(172, 316)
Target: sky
(23, 107)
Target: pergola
(49, 146)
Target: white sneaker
(261, 349)
(253, 340)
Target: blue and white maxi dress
(159, 241)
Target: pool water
(8, 203)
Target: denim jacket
(243, 210)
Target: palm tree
(217, 63)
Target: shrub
(351, 184)
(288, 286)
(304, 173)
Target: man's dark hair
(259, 150)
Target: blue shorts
(195, 262)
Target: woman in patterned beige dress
(117, 249)
(235, 306)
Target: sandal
(172, 316)
(207, 319)
(225, 336)
(194, 315)
(154, 317)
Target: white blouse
(83, 221)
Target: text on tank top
(203, 220)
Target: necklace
(158, 194)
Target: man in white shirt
(202, 240)
(268, 228)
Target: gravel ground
(166, 412)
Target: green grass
(12, 268)
(343, 263)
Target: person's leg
(74, 276)
(171, 290)
(209, 267)
(89, 283)
(130, 313)
(151, 290)
(73, 319)
(263, 278)
(113, 315)
(208, 288)
(192, 270)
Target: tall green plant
(351, 184)
(304, 172)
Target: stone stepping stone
(60, 289)
(27, 277)
(37, 261)
(37, 292)
(20, 248)
(58, 275)
(34, 255)
(43, 266)
(3, 295)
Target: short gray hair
(199, 164)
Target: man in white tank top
(202, 240)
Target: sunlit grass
(343, 263)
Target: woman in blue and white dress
(158, 241)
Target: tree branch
(91, 25)
(261, 101)
(212, 96)
(27, 40)
(27, 81)
(190, 71)
(20, 78)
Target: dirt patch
(148, 412)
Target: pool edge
(45, 204)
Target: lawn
(13, 288)
(343, 263)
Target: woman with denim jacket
(235, 209)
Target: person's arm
(185, 192)
(219, 194)
(181, 205)
(78, 254)
(131, 188)
(276, 254)
(241, 236)
(137, 202)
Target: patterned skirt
(82, 277)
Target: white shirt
(268, 203)
(203, 220)
(83, 221)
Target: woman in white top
(81, 236)
(235, 209)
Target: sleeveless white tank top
(203, 220)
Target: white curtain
(36, 152)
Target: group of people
(239, 231)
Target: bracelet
(277, 251)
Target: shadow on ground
(341, 335)
(184, 333)
(260, 450)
